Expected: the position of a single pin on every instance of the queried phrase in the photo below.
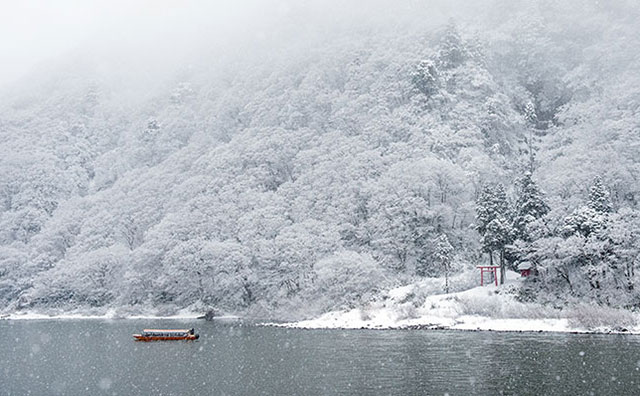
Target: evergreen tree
(593, 217)
(529, 206)
(531, 118)
(425, 77)
(492, 214)
(452, 52)
(443, 255)
(491, 203)
(584, 221)
(497, 237)
(599, 199)
(530, 114)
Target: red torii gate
(488, 269)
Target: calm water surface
(95, 357)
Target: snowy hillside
(314, 167)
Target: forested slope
(311, 170)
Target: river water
(95, 357)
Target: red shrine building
(524, 268)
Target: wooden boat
(166, 335)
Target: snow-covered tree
(529, 206)
(451, 52)
(442, 253)
(584, 221)
(599, 197)
(490, 204)
(494, 224)
(531, 119)
(425, 77)
(592, 217)
(530, 114)
(346, 278)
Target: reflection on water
(70, 357)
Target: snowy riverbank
(479, 308)
(107, 316)
(111, 314)
(421, 305)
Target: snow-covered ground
(423, 305)
(479, 308)
(109, 315)
(185, 314)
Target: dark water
(94, 357)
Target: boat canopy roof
(166, 331)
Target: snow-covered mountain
(311, 167)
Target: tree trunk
(565, 275)
(491, 264)
(503, 268)
(629, 274)
(446, 280)
(531, 155)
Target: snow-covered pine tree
(530, 114)
(588, 219)
(452, 52)
(529, 206)
(496, 238)
(531, 118)
(584, 221)
(599, 198)
(493, 223)
(491, 203)
(443, 254)
(425, 77)
(484, 209)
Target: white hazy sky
(35, 31)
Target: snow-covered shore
(419, 306)
(109, 315)
(479, 308)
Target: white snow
(479, 308)
(38, 316)
(111, 314)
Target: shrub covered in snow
(346, 279)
